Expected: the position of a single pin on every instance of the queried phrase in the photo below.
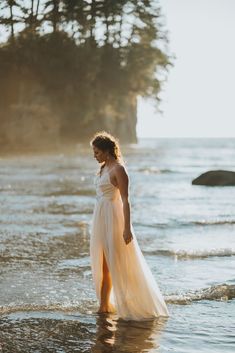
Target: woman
(123, 281)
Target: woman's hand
(127, 235)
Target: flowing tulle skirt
(135, 293)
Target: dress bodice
(104, 188)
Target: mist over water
(186, 233)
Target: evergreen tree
(98, 57)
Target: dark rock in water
(216, 178)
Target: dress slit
(104, 260)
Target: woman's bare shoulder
(120, 169)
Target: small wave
(153, 170)
(192, 254)
(204, 222)
(222, 292)
(185, 224)
(11, 308)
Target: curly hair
(107, 142)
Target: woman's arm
(123, 185)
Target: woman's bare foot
(107, 309)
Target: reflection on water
(61, 332)
(127, 336)
(189, 329)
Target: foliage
(84, 55)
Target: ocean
(186, 233)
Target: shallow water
(186, 232)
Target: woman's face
(99, 155)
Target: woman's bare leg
(106, 287)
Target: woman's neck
(110, 163)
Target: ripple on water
(84, 330)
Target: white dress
(135, 293)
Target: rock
(216, 178)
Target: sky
(198, 99)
